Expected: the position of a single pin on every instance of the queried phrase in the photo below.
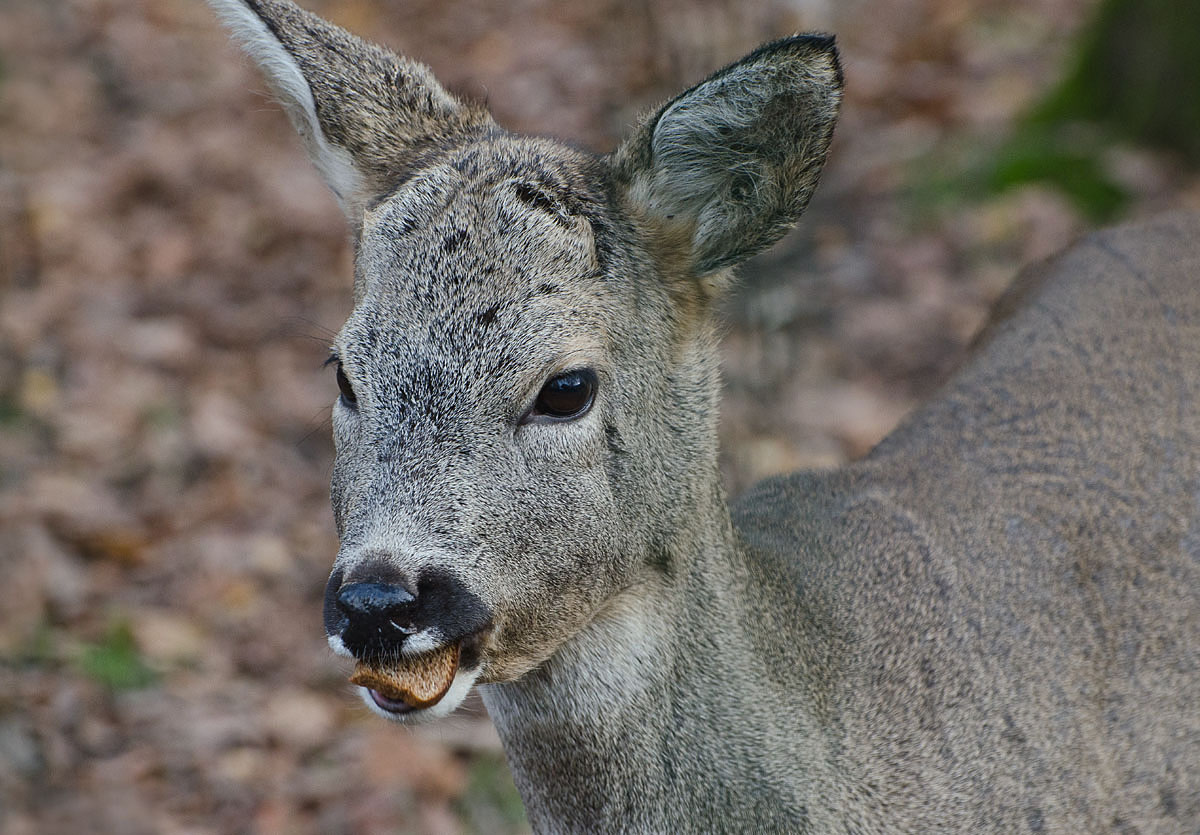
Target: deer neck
(658, 709)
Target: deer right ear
(363, 112)
(730, 164)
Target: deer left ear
(732, 162)
(363, 112)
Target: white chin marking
(339, 648)
(426, 640)
(464, 680)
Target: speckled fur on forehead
(481, 197)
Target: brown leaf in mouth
(419, 681)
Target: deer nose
(376, 617)
(372, 609)
(365, 602)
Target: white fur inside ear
(293, 92)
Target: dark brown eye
(566, 396)
(348, 396)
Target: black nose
(380, 602)
(375, 618)
(373, 608)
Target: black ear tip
(810, 45)
(824, 41)
(803, 42)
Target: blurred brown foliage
(171, 271)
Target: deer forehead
(494, 215)
(482, 267)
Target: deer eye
(565, 396)
(348, 396)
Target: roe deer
(992, 623)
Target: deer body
(992, 623)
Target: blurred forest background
(171, 271)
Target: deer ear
(364, 113)
(732, 162)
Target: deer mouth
(409, 683)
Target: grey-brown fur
(991, 624)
